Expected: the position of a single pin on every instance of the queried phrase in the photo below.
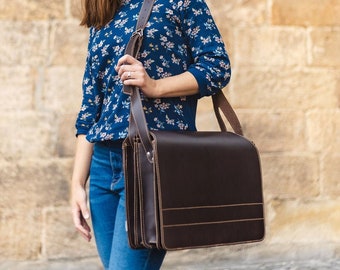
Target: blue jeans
(107, 204)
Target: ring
(129, 75)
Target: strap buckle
(149, 156)
(139, 32)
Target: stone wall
(285, 88)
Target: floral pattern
(180, 36)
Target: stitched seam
(211, 223)
(210, 206)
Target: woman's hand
(80, 212)
(132, 72)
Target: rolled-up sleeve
(211, 65)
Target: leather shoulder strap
(144, 14)
(137, 121)
(136, 39)
(220, 102)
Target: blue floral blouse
(180, 36)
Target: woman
(182, 59)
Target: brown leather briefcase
(201, 189)
(190, 189)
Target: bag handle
(137, 122)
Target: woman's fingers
(81, 224)
(81, 213)
(127, 65)
(133, 75)
(132, 72)
(126, 60)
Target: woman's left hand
(132, 72)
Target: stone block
(76, 9)
(267, 129)
(205, 118)
(323, 129)
(277, 88)
(237, 13)
(27, 134)
(275, 131)
(34, 183)
(330, 175)
(206, 121)
(61, 239)
(26, 43)
(66, 135)
(20, 232)
(62, 91)
(69, 44)
(305, 222)
(230, 15)
(290, 176)
(324, 46)
(269, 46)
(306, 12)
(16, 84)
(28, 10)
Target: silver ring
(129, 75)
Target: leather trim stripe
(211, 223)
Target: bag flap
(210, 178)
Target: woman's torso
(166, 51)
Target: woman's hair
(97, 13)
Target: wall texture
(285, 88)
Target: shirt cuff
(202, 82)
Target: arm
(132, 72)
(208, 70)
(90, 107)
(211, 65)
(80, 211)
(184, 84)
